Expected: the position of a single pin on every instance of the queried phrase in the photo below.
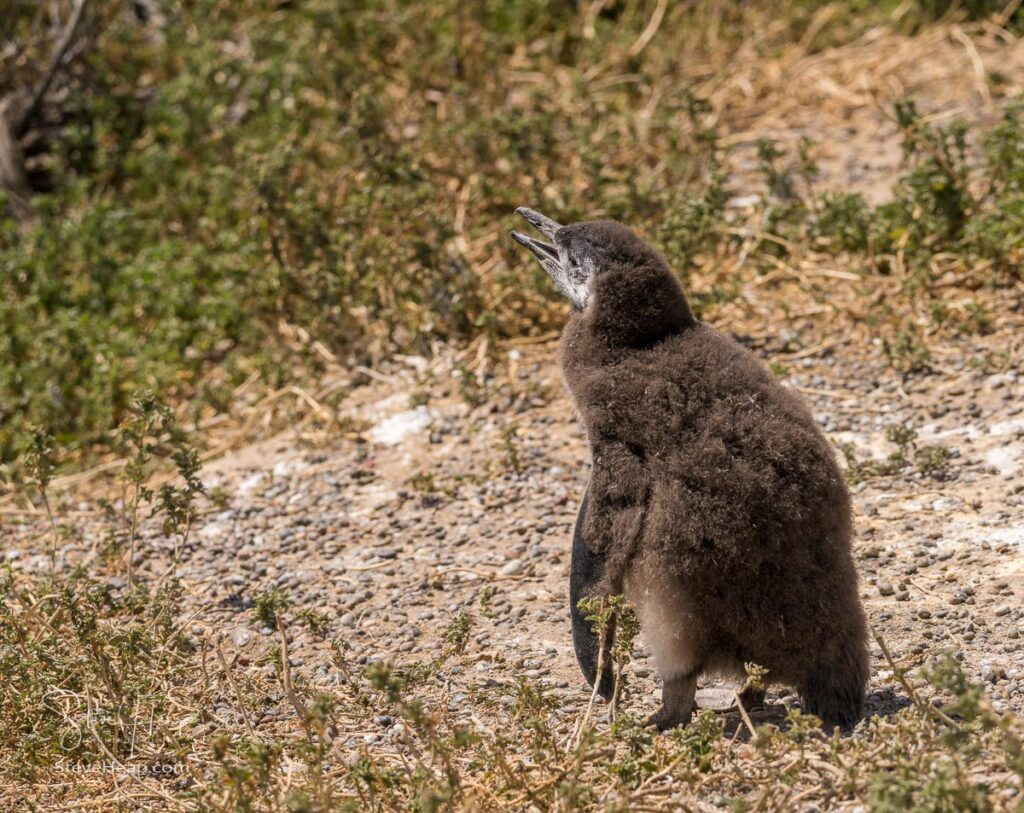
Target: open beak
(566, 277)
(545, 252)
(545, 225)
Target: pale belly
(665, 624)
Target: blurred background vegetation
(212, 189)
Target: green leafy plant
(316, 621)
(509, 449)
(906, 352)
(268, 606)
(457, 633)
(177, 505)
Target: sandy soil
(423, 515)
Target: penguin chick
(714, 503)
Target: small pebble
(512, 568)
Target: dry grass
(113, 705)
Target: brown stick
(743, 713)
(922, 706)
(238, 694)
(13, 178)
(577, 736)
(286, 679)
(67, 37)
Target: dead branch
(56, 61)
(20, 107)
(13, 178)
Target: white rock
(392, 430)
(1005, 458)
(1011, 427)
(744, 201)
(512, 568)
(250, 482)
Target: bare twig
(743, 713)
(53, 529)
(238, 694)
(650, 30)
(581, 727)
(898, 673)
(56, 60)
(289, 690)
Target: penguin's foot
(677, 702)
(752, 698)
(663, 720)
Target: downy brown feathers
(707, 472)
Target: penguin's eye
(576, 257)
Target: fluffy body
(714, 501)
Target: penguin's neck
(636, 308)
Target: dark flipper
(584, 572)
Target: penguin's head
(605, 269)
(581, 252)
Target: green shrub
(253, 169)
(251, 173)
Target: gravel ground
(393, 530)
